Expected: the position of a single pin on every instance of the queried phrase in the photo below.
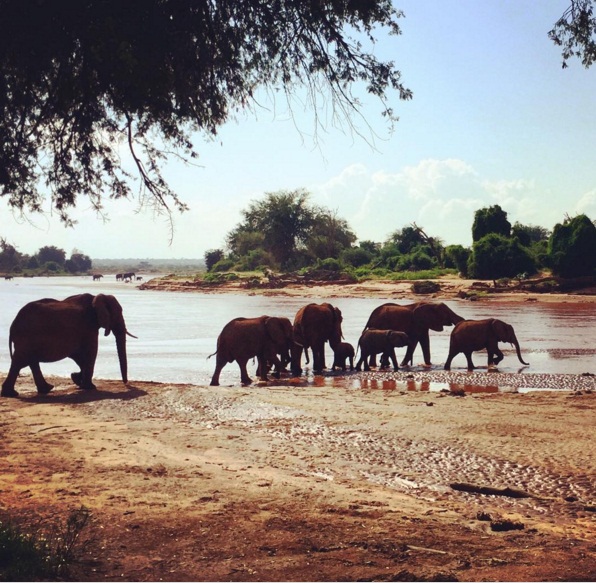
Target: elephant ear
(104, 318)
(502, 331)
(275, 330)
(428, 315)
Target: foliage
(495, 256)
(572, 247)
(329, 264)
(47, 259)
(529, 234)
(575, 32)
(212, 256)
(78, 263)
(79, 79)
(457, 256)
(223, 265)
(356, 256)
(51, 253)
(285, 227)
(490, 220)
(41, 556)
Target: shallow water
(177, 331)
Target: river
(177, 331)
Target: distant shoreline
(451, 288)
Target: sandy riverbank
(314, 479)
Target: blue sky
(494, 120)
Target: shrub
(329, 264)
(571, 247)
(425, 287)
(223, 265)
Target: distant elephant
(244, 338)
(472, 335)
(49, 330)
(342, 352)
(118, 277)
(128, 276)
(8, 277)
(97, 276)
(315, 324)
(415, 320)
(373, 342)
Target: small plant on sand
(41, 555)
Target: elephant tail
(212, 355)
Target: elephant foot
(6, 392)
(88, 387)
(44, 389)
(246, 381)
(77, 378)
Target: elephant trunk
(121, 348)
(517, 349)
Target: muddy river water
(177, 331)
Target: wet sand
(337, 477)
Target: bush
(356, 256)
(41, 556)
(425, 287)
(223, 265)
(329, 264)
(496, 256)
(571, 248)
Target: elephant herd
(276, 342)
(49, 330)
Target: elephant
(415, 320)
(97, 276)
(127, 277)
(471, 335)
(118, 277)
(49, 330)
(315, 324)
(244, 338)
(342, 352)
(373, 342)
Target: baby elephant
(343, 351)
(376, 341)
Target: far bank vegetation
(284, 236)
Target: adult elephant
(244, 338)
(472, 335)
(97, 276)
(315, 324)
(415, 320)
(49, 330)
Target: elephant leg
(351, 363)
(372, 361)
(43, 387)
(318, 359)
(219, 364)
(8, 389)
(498, 356)
(83, 378)
(425, 345)
(390, 355)
(244, 378)
(469, 359)
(409, 356)
(451, 356)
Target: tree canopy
(489, 220)
(79, 79)
(575, 32)
(572, 247)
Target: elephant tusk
(298, 344)
(131, 335)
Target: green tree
(78, 263)
(212, 256)
(496, 256)
(575, 32)
(282, 221)
(528, 234)
(329, 235)
(79, 79)
(457, 256)
(51, 253)
(572, 247)
(10, 258)
(488, 220)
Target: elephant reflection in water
(472, 335)
(264, 337)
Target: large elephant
(373, 342)
(49, 330)
(244, 338)
(415, 320)
(472, 335)
(315, 324)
